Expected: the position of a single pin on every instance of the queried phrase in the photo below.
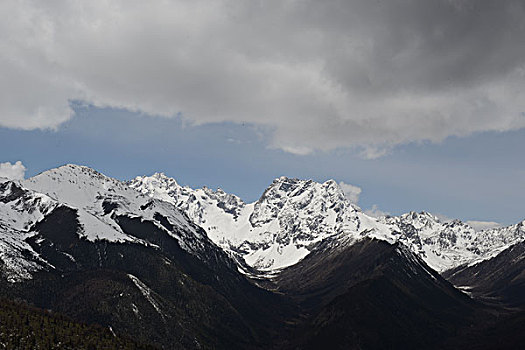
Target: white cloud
(442, 218)
(351, 192)
(320, 75)
(12, 171)
(376, 212)
(482, 225)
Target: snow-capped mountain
(144, 257)
(98, 199)
(293, 216)
(20, 209)
(289, 220)
(98, 202)
(445, 245)
(89, 246)
(279, 229)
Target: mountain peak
(161, 176)
(76, 167)
(422, 216)
(288, 186)
(69, 171)
(286, 183)
(331, 182)
(158, 179)
(286, 179)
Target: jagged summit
(413, 215)
(163, 178)
(289, 184)
(277, 230)
(293, 215)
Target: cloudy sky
(409, 104)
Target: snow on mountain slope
(98, 199)
(445, 245)
(293, 215)
(278, 230)
(98, 202)
(20, 209)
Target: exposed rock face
(293, 216)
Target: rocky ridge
(293, 216)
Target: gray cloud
(321, 75)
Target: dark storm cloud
(321, 75)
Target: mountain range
(293, 216)
(302, 267)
